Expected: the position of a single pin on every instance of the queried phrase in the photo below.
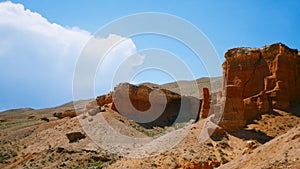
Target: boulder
(102, 109)
(66, 113)
(91, 105)
(58, 115)
(45, 119)
(251, 145)
(75, 136)
(60, 149)
(93, 112)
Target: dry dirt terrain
(35, 139)
(29, 142)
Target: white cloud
(128, 62)
(100, 61)
(37, 58)
(28, 40)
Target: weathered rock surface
(45, 119)
(91, 105)
(75, 136)
(93, 112)
(154, 107)
(257, 80)
(104, 99)
(205, 104)
(66, 113)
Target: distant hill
(213, 84)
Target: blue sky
(40, 43)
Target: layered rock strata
(154, 107)
(256, 80)
(205, 104)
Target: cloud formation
(37, 58)
(97, 67)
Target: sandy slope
(281, 152)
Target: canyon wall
(256, 80)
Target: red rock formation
(255, 105)
(233, 113)
(104, 99)
(75, 136)
(205, 104)
(66, 113)
(256, 80)
(153, 107)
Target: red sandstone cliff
(152, 106)
(257, 80)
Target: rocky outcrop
(256, 104)
(104, 99)
(251, 145)
(45, 119)
(75, 136)
(257, 80)
(66, 113)
(233, 112)
(205, 103)
(152, 106)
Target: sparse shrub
(50, 158)
(224, 160)
(209, 158)
(192, 151)
(14, 154)
(223, 144)
(154, 165)
(7, 154)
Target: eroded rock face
(104, 99)
(154, 107)
(75, 136)
(66, 113)
(257, 80)
(205, 103)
